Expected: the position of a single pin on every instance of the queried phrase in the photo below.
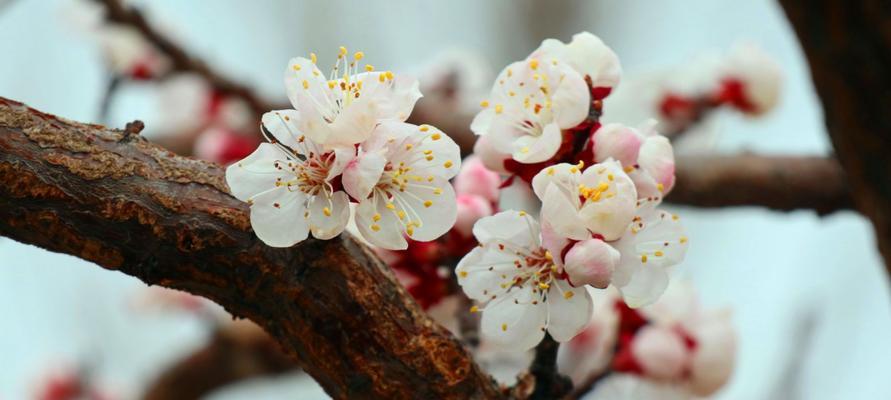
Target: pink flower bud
(591, 262)
(617, 141)
(470, 209)
(491, 158)
(475, 179)
(660, 352)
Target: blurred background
(809, 294)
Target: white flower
(288, 184)
(530, 104)
(401, 181)
(520, 287)
(599, 201)
(758, 76)
(344, 108)
(648, 157)
(588, 55)
(654, 242)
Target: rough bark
(783, 183)
(113, 198)
(848, 47)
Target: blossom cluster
(672, 341)
(346, 141)
(599, 187)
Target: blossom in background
(401, 180)
(647, 157)
(588, 56)
(632, 387)
(750, 80)
(521, 290)
(674, 341)
(288, 183)
(344, 108)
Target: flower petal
(378, 225)
(282, 124)
(562, 214)
(277, 217)
(362, 174)
(569, 310)
(591, 262)
(515, 227)
(328, 216)
(394, 98)
(512, 320)
(618, 142)
(258, 172)
(657, 159)
(532, 149)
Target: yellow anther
(313, 58)
(610, 177)
(409, 146)
(533, 63)
(581, 164)
(568, 295)
(390, 206)
(504, 327)
(628, 169)
(474, 309)
(683, 239)
(401, 214)
(437, 191)
(358, 55)
(381, 77)
(369, 67)
(484, 104)
(375, 227)
(643, 258)
(376, 217)
(548, 255)
(305, 84)
(296, 67)
(410, 231)
(675, 217)
(551, 171)
(499, 108)
(544, 286)
(658, 253)
(660, 186)
(326, 211)
(447, 164)
(510, 73)
(390, 75)
(343, 51)
(428, 203)
(522, 213)
(429, 158)
(435, 136)
(331, 84)
(428, 152)
(574, 169)
(524, 150)
(424, 128)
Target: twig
(180, 59)
(588, 385)
(549, 384)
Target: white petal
(715, 354)
(492, 158)
(482, 271)
(362, 174)
(645, 286)
(282, 124)
(661, 352)
(470, 209)
(563, 174)
(532, 149)
(326, 225)
(277, 217)
(571, 99)
(388, 232)
(520, 324)
(561, 212)
(515, 227)
(568, 314)
(394, 98)
(610, 215)
(482, 121)
(354, 123)
(434, 214)
(342, 157)
(308, 91)
(591, 57)
(257, 173)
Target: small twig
(549, 384)
(114, 82)
(180, 59)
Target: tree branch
(549, 384)
(180, 59)
(848, 47)
(784, 183)
(115, 199)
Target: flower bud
(476, 179)
(470, 209)
(591, 262)
(660, 352)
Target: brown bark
(848, 47)
(237, 351)
(113, 198)
(782, 183)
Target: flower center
(310, 175)
(343, 84)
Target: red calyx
(732, 92)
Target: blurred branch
(181, 60)
(784, 183)
(237, 351)
(113, 198)
(848, 47)
(588, 385)
(549, 384)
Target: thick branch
(113, 198)
(549, 384)
(783, 183)
(848, 47)
(180, 59)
